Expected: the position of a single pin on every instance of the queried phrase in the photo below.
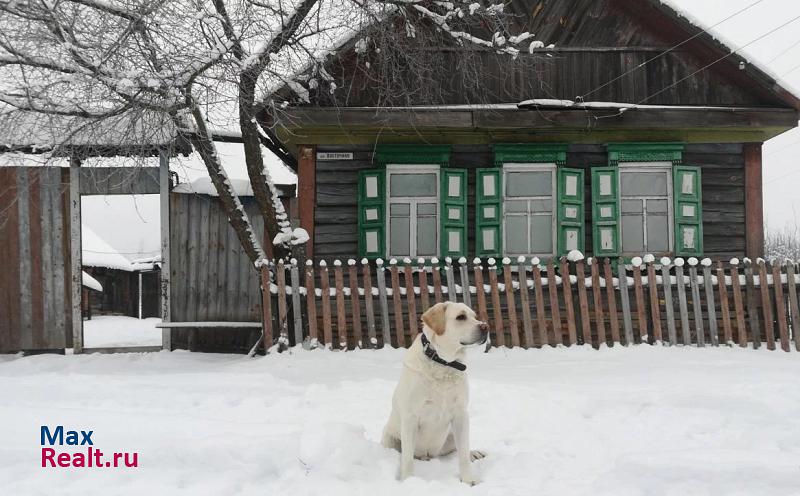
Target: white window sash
(649, 167)
(412, 201)
(521, 167)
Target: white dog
(429, 408)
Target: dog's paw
(470, 480)
(477, 455)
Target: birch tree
(190, 65)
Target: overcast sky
(779, 53)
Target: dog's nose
(484, 327)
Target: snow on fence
(533, 304)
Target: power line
(773, 59)
(790, 71)
(783, 148)
(721, 59)
(670, 50)
(781, 177)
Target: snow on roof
(96, 252)
(90, 282)
(242, 187)
(551, 103)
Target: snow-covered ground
(112, 330)
(645, 420)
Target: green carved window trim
(530, 154)
(645, 152)
(412, 154)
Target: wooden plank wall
(336, 221)
(673, 304)
(35, 311)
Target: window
(529, 227)
(413, 204)
(646, 207)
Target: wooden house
(636, 132)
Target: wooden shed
(635, 132)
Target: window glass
(657, 206)
(633, 233)
(631, 206)
(400, 231)
(644, 183)
(422, 184)
(517, 206)
(539, 183)
(400, 209)
(657, 233)
(517, 234)
(426, 209)
(541, 233)
(426, 236)
(541, 205)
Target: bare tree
(783, 244)
(146, 65)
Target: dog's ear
(435, 319)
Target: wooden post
(386, 331)
(713, 331)
(724, 309)
(451, 280)
(294, 274)
(311, 303)
(686, 333)
(569, 307)
(638, 291)
(626, 302)
(75, 255)
(437, 281)
(655, 308)
(368, 300)
(283, 325)
(355, 303)
(413, 321)
(766, 305)
(424, 296)
(166, 307)
(669, 305)
(753, 201)
(597, 295)
(525, 303)
(306, 193)
(780, 307)
(325, 287)
(736, 288)
(499, 335)
(513, 329)
(552, 289)
(266, 307)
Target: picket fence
(532, 304)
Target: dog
(429, 408)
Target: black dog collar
(431, 353)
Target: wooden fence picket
(655, 307)
(399, 328)
(552, 289)
(355, 303)
(424, 295)
(724, 309)
(480, 291)
(597, 294)
(569, 307)
(451, 281)
(686, 333)
(625, 302)
(713, 331)
(794, 305)
(368, 303)
(283, 325)
(611, 297)
(699, 328)
(524, 297)
(738, 306)
(511, 304)
(669, 304)
(266, 307)
(383, 301)
(466, 297)
(294, 274)
(325, 287)
(583, 303)
(752, 310)
(641, 311)
(436, 274)
(780, 307)
(341, 316)
(766, 306)
(541, 317)
(311, 302)
(499, 336)
(413, 320)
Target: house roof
(709, 48)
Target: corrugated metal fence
(530, 304)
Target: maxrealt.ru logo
(86, 456)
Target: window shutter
(489, 213)
(605, 211)
(371, 213)
(688, 210)
(453, 213)
(570, 210)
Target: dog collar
(431, 353)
